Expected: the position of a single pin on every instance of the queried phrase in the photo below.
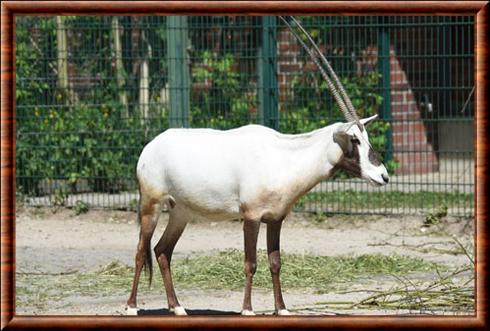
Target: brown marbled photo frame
(11, 321)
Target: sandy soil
(61, 242)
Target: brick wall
(288, 65)
(410, 134)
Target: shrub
(219, 100)
(81, 142)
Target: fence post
(178, 71)
(385, 86)
(267, 84)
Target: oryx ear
(344, 140)
(366, 121)
(345, 127)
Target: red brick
(398, 77)
(397, 96)
(288, 67)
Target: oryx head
(358, 157)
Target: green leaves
(80, 143)
(220, 101)
(435, 217)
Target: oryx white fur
(253, 172)
(131, 311)
(221, 174)
(247, 312)
(178, 311)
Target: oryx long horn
(339, 87)
(330, 84)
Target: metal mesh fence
(92, 91)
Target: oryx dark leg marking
(273, 251)
(149, 211)
(250, 231)
(163, 252)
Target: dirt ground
(53, 243)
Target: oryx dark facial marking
(350, 161)
(374, 157)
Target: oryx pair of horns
(333, 82)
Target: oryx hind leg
(163, 252)
(148, 214)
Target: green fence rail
(92, 91)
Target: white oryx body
(219, 174)
(253, 173)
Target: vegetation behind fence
(92, 91)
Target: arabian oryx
(253, 173)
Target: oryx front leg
(163, 251)
(273, 251)
(250, 231)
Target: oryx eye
(355, 141)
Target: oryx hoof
(132, 311)
(283, 312)
(178, 311)
(247, 312)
